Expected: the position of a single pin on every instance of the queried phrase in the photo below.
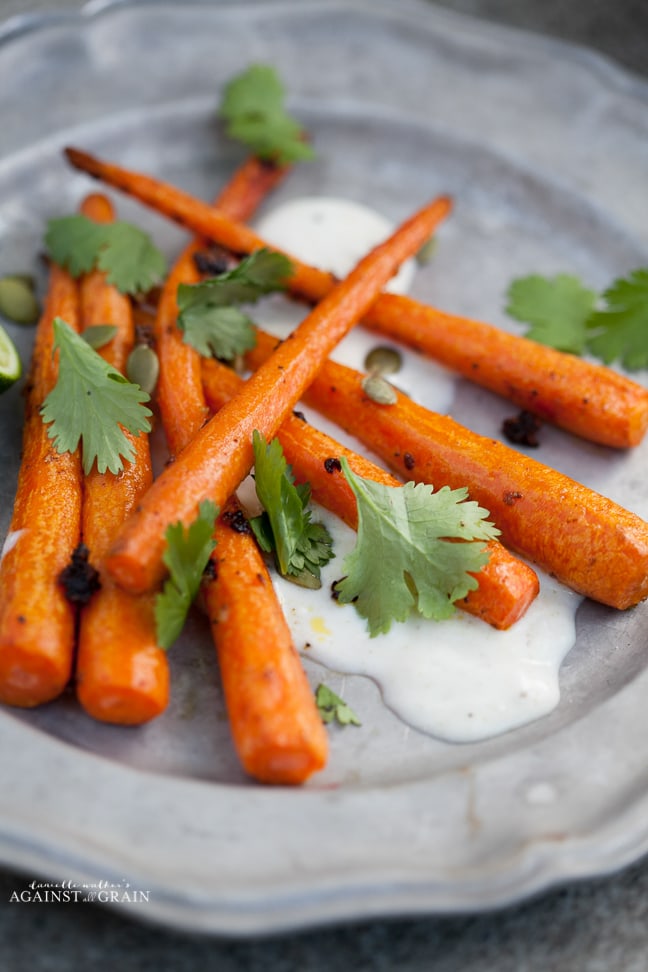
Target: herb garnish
(186, 555)
(300, 546)
(569, 316)
(254, 113)
(405, 557)
(92, 403)
(334, 709)
(557, 309)
(126, 253)
(209, 317)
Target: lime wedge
(10, 364)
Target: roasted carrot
(37, 622)
(277, 730)
(122, 676)
(220, 455)
(179, 396)
(589, 400)
(249, 186)
(507, 586)
(587, 541)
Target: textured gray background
(595, 926)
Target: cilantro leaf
(90, 403)
(405, 556)
(621, 328)
(224, 332)
(131, 262)
(253, 109)
(74, 242)
(332, 708)
(186, 556)
(558, 309)
(300, 546)
(99, 335)
(211, 323)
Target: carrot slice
(122, 676)
(220, 455)
(589, 400)
(179, 396)
(37, 622)
(276, 727)
(507, 586)
(587, 541)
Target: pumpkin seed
(379, 390)
(383, 360)
(143, 367)
(427, 251)
(17, 299)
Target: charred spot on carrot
(80, 579)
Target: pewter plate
(544, 148)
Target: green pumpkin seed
(17, 300)
(143, 368)
(427, 251)
(383, 360)
(379, 390)
(304, 579)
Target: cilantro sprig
(254, 114)
(620, 328)
(405, 556)
(186, 555)
(334, 709)
(567, 315)
(557, 310)
(209, 314)
(285, 528)
(92, 404)
(126, 253)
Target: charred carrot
(277, 731)
(589, 400)
(37, 622)
(179, 393)
(180, 397)
(220, 455)
(276, 728)
(122, 676)
(249, 186)
(507, 586)
(587, 541)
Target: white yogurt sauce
(459, 680)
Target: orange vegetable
(590, 400)
(507, 586)
(37, 622)
(122, 676)
(587, 541)
(220, 455)
(179, 395)
(276, 727)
